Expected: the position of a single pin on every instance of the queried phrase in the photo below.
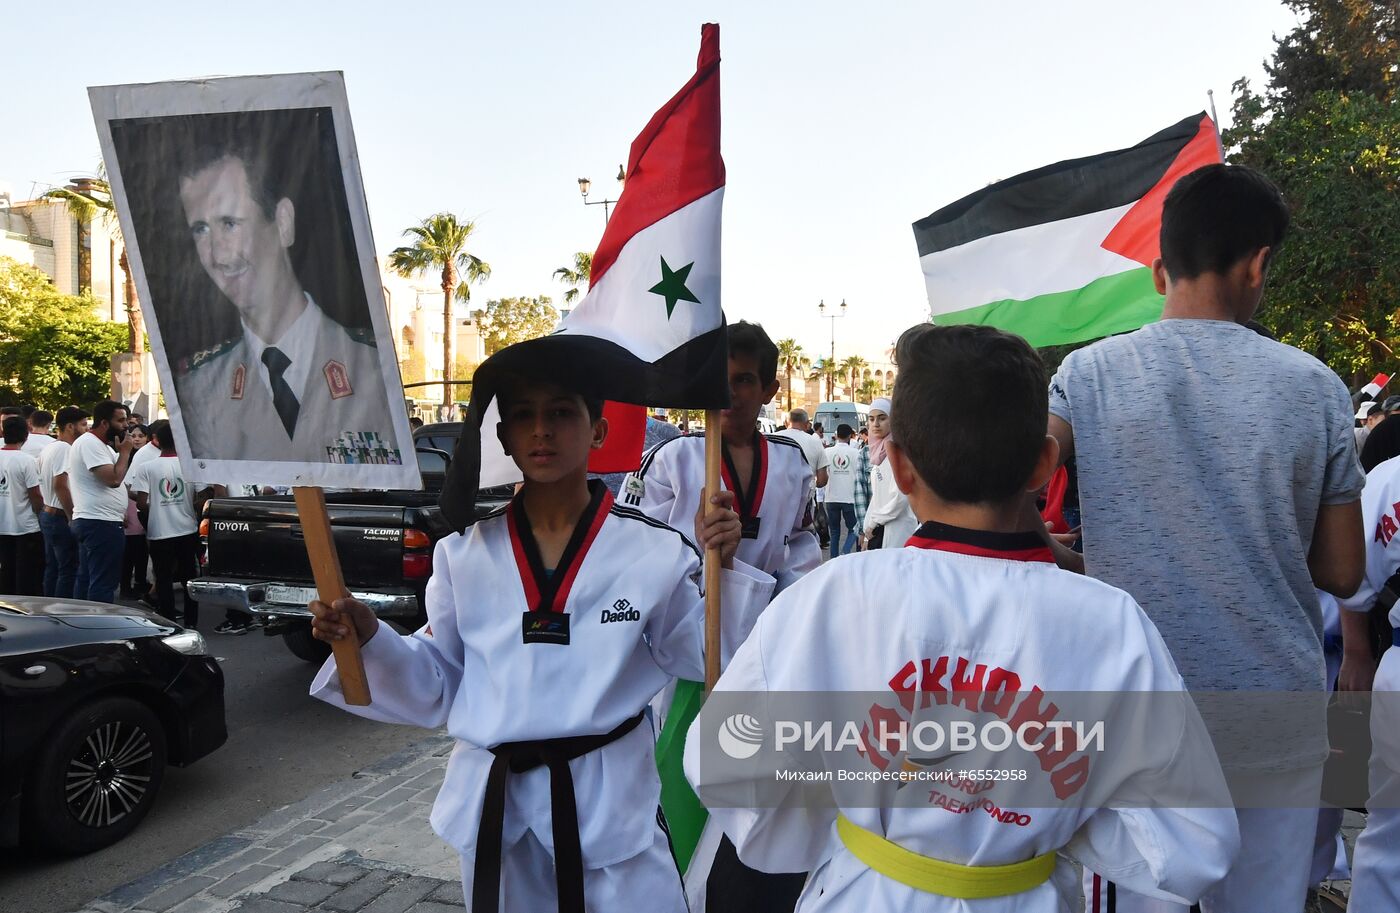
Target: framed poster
(249, 239)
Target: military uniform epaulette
(190, 362)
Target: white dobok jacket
(778, 539)
(631, 591)
(976, 614)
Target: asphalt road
(281, 746)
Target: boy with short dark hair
(552, 622)
(973, 606)
(770, 480)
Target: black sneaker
(233, 627)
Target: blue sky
(843, 123)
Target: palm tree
(826, 367)
(853, 366)
(89, 199)
(790, 354)
(440, 242)
(576, 275)
(869, 389)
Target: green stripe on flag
(1113, 304)
(685, 816)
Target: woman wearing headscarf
(889, 521)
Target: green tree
(511, 320)
(440, 243)
(852, 367)
(869, 389)
(826, 367)
(89, 200)
(53, 350)
(575, 275)
(1326, 129)
(789, 356)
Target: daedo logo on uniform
(622, 610)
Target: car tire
(97, 776)
(303, 646)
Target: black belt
(519, 757)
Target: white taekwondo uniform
(774, 504)
(1375, 869)
(957, 610)
(597, 639)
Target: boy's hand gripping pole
(330, 586)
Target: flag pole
(330, 586)
(712, 559)
(1215, 118)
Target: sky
(842, 123)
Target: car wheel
(304, 646)
(97, 776)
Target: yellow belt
(948, 879)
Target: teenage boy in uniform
(974, 605)
(552, 622)
(772, 482)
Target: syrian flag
(654, 288)
(650, 331)
(1062, 254)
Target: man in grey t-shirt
(1221, 536)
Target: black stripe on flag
(693, 376)
(1060, 191)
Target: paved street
(359, 844)
(282, 747)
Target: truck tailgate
(266, 534)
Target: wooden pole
(330, 586)
(712, 560)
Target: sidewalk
(362, 845)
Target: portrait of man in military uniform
(293, 383)
(249, 236)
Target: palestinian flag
(650, 331)
(1062, 254)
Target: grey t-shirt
(1204, 452)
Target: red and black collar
(1022, 546)
(549, 592)
(748, 499)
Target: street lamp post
(585, 183)
(831, 362)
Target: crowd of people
(1178, 555)
(92, 505)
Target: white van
(829, 415)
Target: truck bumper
(273, 602)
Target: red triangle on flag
(627, 430)
(1137, 235)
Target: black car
(95, 701)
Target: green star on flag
(672, 286)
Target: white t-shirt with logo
(19, 472)
(53, 462)
(93, 499)
(841, 475)
(171, 498)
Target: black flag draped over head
(593, 367)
